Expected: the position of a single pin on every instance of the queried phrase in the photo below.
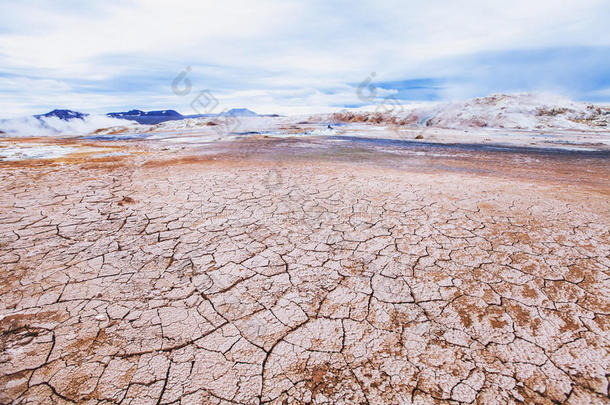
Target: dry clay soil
(200, 280)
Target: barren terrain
(266, 271)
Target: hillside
(519, 111)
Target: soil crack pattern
(210, 283)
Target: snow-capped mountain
(514, 111)
(501, 111)
(240, 112)
(132, 113)
(148, 118)
(520, 112)
(65, 115)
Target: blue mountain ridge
(65, 115)
(150, 117)
(145, 117)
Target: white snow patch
(34, 151)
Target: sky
(299, 57)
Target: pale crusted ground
(202, 281)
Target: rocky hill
(518, 111)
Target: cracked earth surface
(248, 282)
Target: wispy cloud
(289, 56)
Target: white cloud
(273, 45)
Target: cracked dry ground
(220, 282)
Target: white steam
(53, 126)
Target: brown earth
(264, 275)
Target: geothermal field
(336, 259)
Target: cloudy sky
(294, 56)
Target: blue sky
(295, 57)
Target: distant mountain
(518, 111)
(131, 113)
(502, 111)
(150, 117)
(146, 117)
(164, 113)
(65, 115)
(240, 112)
